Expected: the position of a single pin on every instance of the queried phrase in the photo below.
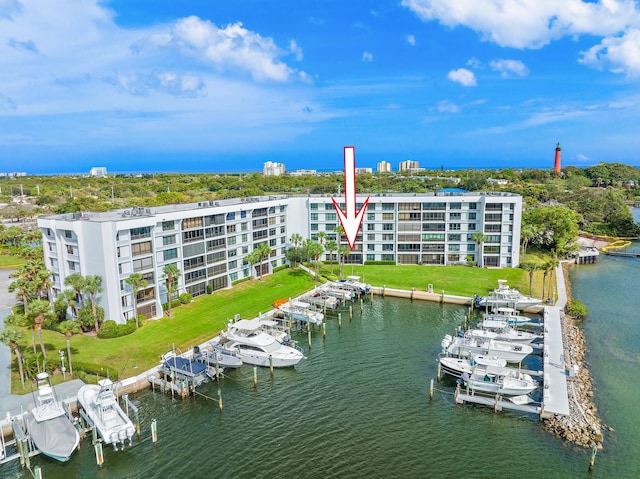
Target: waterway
(358, 406)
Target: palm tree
(137, 283)
(296, 240)
(530, 268)
(339, 230)
(171, 275)
(69, 328)
(23, 289)
(547, 267)
(344, 251)
(11, 336)
(69, 296)
(331, 246)
(92, 285)
(479, 238)
(76, 281)
(39, 311)
(262, 251)
(553, 264)
(527, 232)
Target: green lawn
(190, 325)
(203, 319)
(8, 261)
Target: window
(168, 225)
(454, 226)
(387, 247)
(233, 276)
(371, 257)
(471, 227)
(68, 234)
(69, 249)
(231, 216)
(330, 226)
(371, 216)
(139, 233)
(455, 206)
(72, 265)
(472, 216)
(313, 206)
(493, 207)
(388, 207)
(138, 249)
(492, 228)
(454, 237)
(433, 216)
(146, 295)
(231, 229)
(454, 247)
(409, 216)
(314, 216)
(314, 226)
(214, 231)
(215, 244)
(491, 249)
(371, 247)
(388, 257)
(432, 237)
(330, 217)
(433, 206)
(193, 263)
(371, 237)
(245, 237)
(387, 216)
(493, 217)
(143, 263)
(455, 216)
(192, 222)
(220, 283)
(329, 206)
(231, 240)
(473, 206)
(232, 252)
(189, 236)
(453, 258)
(233, 264)
(244, 226)
(408, 206)
(167, 240)
(371, 227)
(387, 227)
(471, 247)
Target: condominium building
(384, 167)
(273, 169)
(98, 172)
(210, 241)
(410, 166)
(363, 171)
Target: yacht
(470, 347)
(52, 431)
(105, 414)
(352, 283)
(255, 346)
(506, 333)
(504, 295)
(301, 311)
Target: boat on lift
(456, 367)
(301, 311)
(352, 283)
(498, 381)
(50, 428)
(105, 414)
(503, 295)
(467, 347)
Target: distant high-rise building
(98, 172)
(556, 164)
(410, 166)
(273, 169)
(363, 171)
(384, 167)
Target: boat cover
(56, 438)
(185, 365)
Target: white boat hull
(507, 386)
(113, 425)
(56, 438)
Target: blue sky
(224, 85)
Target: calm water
(358, 407)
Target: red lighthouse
(556, 163)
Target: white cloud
(367, 57)
(474, 63)
(619, 54)
(530, 23)
(295, 49)
(411, 40)
(463, 76)
(509, 67)
(582, 158)
(446, 106)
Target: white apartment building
(410, 166)
(384, 167)
(273, 169)
(209, 241)
(98, 172)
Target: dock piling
(99, 453)
(431, 390)
(339, 320)
(37, 472)
(154, 431)
(255, 376)
(324, 330)
(220, 399)
(270, 368)
(592, 461)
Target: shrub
(110, 329)
(576, 309)
(185, 298)
(280, 268)
(209, 289)
(380, 263)
(95, 369)
(174, 304)
(241, 280)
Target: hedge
(95, 369)
(380, 263)
(110, 329)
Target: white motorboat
(341, 294)
(255, 346)
(352, 283)
(195, 372)
(301, 311)
(503, 334)
(322, 300)
(470, 347)
(509, 315)
(217, 356)
(456, 367)
(105, 414)
(508, 333)
(514, 383)
(504, 295)
(52, 431)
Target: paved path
(7, 300)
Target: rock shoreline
(583, 426)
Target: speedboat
(456, 367)
(301, 311)
(52, 431)
(509, 315)
(105, 414)
(504, 295)
(352, 283)
(322, 300)
(255, 346)
(514, 383)
(470, 347)
(217, 356)
(503, 334)
(195, 372)
(341, 294)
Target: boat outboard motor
(196, 350)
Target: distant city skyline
(226, 86)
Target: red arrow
(350, 220)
